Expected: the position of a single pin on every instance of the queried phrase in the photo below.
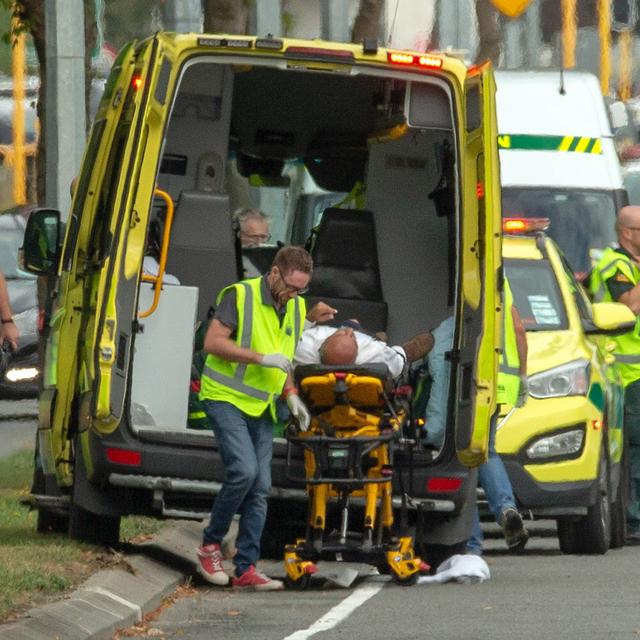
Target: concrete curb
(114, 599)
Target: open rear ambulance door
(126, 193)
(481, 269)
(69, 345)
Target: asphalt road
(539, 595)
(18, 423)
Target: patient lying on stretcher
(348, 345)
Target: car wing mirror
(41, 245)
(610, 318)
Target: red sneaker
(210, 564)
(255, 581)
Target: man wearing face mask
(250, 344)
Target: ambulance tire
(435, 554)
(93, 528)
(90, 526)
(568, 536)
(285, 522)
(595, 528)
(619, 507)
(49, 520)
(590, 534)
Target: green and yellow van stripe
(575, 144)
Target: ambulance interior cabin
(364, 162)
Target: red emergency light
(410, 59)
(524, 225)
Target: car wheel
(93, 528)
(435, 554)
(594, 529)
(619, 507)
(568, 537)
(285, 523)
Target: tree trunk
(32, 13)
(226, 16)
(367, 23)
(488, 33)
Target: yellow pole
(569, 33)
(604, 29)
(626, 64)
(19, 163)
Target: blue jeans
(440, 369)
(493, 478)
(632, 429)
(245, 444)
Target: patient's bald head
(339, 348)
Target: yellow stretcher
(357, 419)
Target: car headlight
(21, 374)
(561, 444)
(571, 379)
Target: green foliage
(16, 471)
(36, 566)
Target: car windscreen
(10, 242)
(536, 294)
(581, 221)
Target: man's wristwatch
(6, 320)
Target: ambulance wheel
(298, 585)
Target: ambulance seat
(346, 273)
(202, 251)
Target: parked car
(22, 375)
(564, 449)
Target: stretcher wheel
(298, 585)
(405, 581)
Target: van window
(99, 238)
(581, 222)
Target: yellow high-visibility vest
(250, 387)
(627, 350)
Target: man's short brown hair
(293, 258)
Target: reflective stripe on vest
(509, 362)
(250, 387)
(627, 350)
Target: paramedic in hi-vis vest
(250, 344)
(492, 475)
(616, 278)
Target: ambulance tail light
(414, 60)
(443, 484)
(124, 456)
(521, 226)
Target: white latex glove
(277, 361)
(524, 392)
(299, 411)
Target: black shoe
(515, 534)
(633, 538)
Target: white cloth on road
(467, 569)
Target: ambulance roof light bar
(523, 226)
(415, 60)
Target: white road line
(339, 613)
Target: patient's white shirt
(370, 349)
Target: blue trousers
(494, 479)
(632, 430)
(245, 444)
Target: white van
(558, 160)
